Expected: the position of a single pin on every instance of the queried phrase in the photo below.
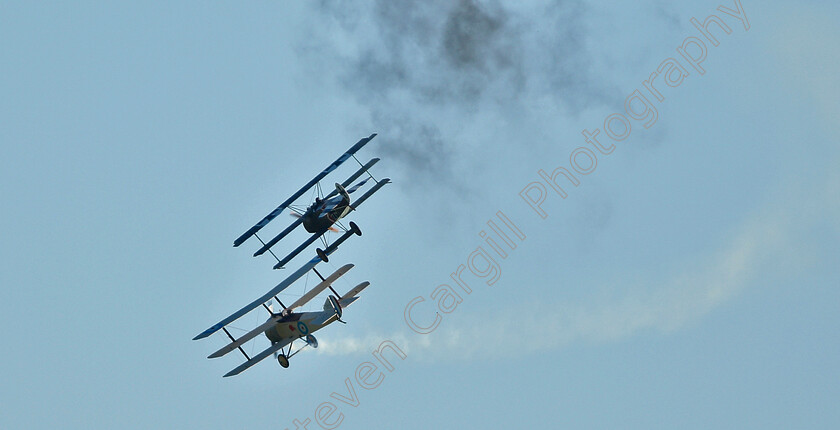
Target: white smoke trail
(766, 245)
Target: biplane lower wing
(264, 298)
(259, 357)
(277, 317)
(279, 209)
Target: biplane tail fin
(332, 304)
(331, 309)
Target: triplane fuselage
(323, 213)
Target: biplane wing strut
(259, 357)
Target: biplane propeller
(324, 213)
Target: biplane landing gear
(355, 228)
(283, 360)
(322, 255)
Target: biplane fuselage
(298, 325)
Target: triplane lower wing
(324, 212)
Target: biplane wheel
(311, 341)
(355, 228)
(283, 360)
(322, 255)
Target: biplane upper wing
(264, 298)
(277, 317)
(279, 209)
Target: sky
(688, 280)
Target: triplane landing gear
(283, 360)
(322, 254)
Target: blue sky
(690, 281)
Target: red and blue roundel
(303, 328)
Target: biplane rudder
(332, 304)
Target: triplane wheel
(283, 360)
(355, 228)
(322, 255)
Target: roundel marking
(302, 327)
